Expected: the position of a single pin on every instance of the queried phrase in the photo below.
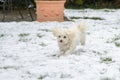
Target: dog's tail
(82, 29)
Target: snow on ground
(28, 50)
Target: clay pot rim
(50, 0)
(63, 1)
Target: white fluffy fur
(69, 38)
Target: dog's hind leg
(82, 38)
(81, 27)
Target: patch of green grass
(2, 35)
(39, 35)
(99, 53)
(106, 60)
(24, 39)
(41, 77)
(65, 75)
(106, 78)
(42, 44)
(117, 44)
(93, 18)
(24, 34)
(8, 67)
(67, 19)
(75, 17)
(98, 4)
(108, 10)
(46, 30)
(115, 40)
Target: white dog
(69, 38)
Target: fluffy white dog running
(69, 38)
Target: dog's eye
(64, 37)
(59, 36)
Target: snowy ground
(28, 50)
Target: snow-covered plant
(1, 35)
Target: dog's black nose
(61, 41)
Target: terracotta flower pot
(47, 10)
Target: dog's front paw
(65, 53)
(68, 52)
(62, 52)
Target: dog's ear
(55, 31)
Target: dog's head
(64, 36)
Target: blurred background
(26, 9)
(77, 3)
(96, 4)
